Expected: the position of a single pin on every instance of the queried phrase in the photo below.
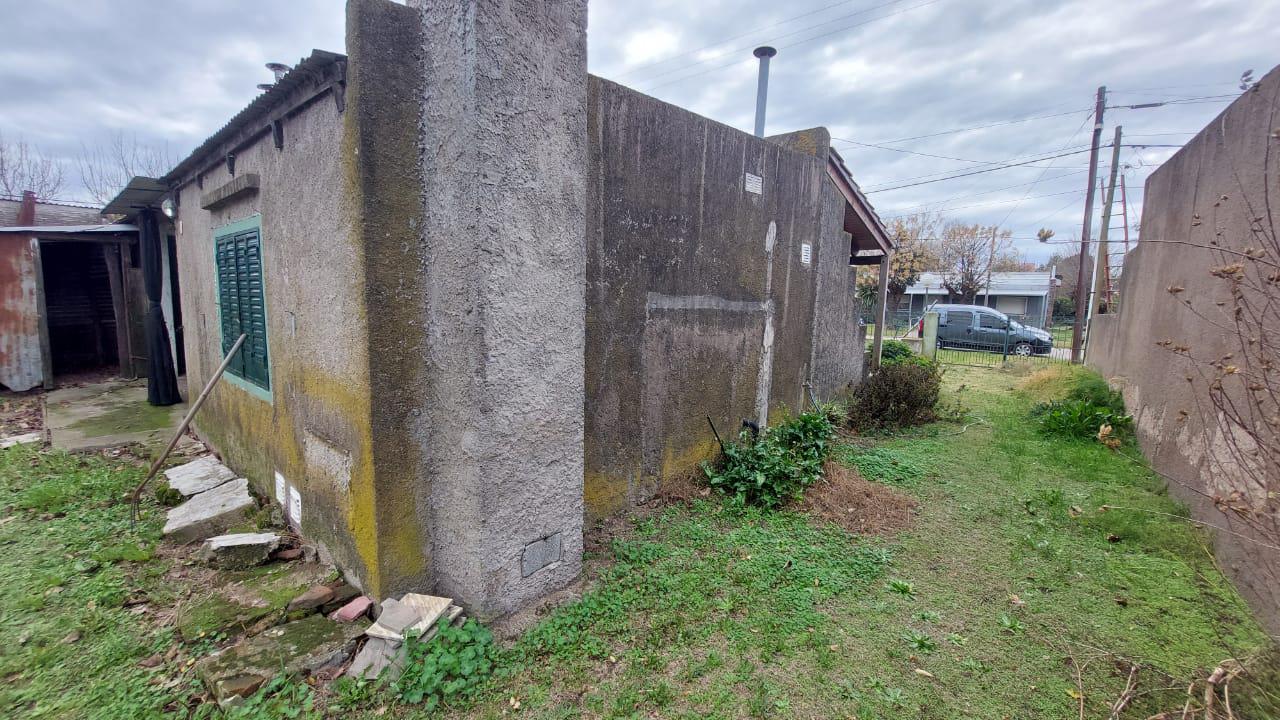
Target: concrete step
(210, 513)
(199, 475)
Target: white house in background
(1024, 296)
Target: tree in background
(1068, 266)
(967, 254)
(24, 167)
(107, 168)
(913, 255)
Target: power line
(718, 43)
(924, 154)
(976, 172)
(999, 202)
(1033, 185)
(651, 88)
(980, 194)
(983, 127)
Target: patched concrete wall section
(504, 165)
(700, 303)
(1210, 191)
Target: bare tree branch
(24, 167)
(107, 168)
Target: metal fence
(986, 347)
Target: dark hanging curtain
(162, 381)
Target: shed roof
(321, 69)
(871, 241)
(141, 192)
(50, 213)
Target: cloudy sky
(902, 83)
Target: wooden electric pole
(1102, 260)
(1082, 287)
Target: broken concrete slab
(23, 439)
(313, 598)
(238, 551)
(379, 658)
(429, 607)
(343, 593)
(210, 513)
(298, 648)
(245, 601)
(199, 475)
(395, 618)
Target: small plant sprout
(1011, 625)
(901, 587)
(957, 639)
(919, 641)
(928, 616)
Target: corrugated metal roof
(51, 213)
(113, 228)
(141, 192)
(874, 226)
(307, 69)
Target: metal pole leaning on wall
(195, 407)
(882, 292)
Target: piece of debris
(311, 599)
(383, 658)
(199, 475)
(353, 610)
(151, 661)
(298, 648)
(343, 593)
(23, 439)
(238, 551)
(210, 513)
(288, 554)
(411, 613)
(71, 638)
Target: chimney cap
(764, 51)
(278, 67)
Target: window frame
(253, 222)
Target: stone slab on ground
(238, 551)
(210, 513)
(23, 439)
(311, 599)
(199, 475)
(379, 656)
(298, 648)
(108, 414)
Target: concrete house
(488, 298)
(1024, 296)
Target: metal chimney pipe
(764, 52)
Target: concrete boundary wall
(1210, 191)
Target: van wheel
(1023, 349)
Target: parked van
(974, 327)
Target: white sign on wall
(753, 183)
(280, 489)
(295, 507)
(806, 253)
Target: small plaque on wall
(753, 183)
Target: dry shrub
(859, 506)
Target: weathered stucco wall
(503, 231)
(699, 303)
(315, 427)
(1210, 191)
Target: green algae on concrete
(243, 601)
(107, 414)
(298, 648)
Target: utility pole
(1082, 307)
(991, 259)
(1102, 262)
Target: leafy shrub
(450, 666)
(1080, 419)
(776, 467)
(896, 395)
(893, 352)
(1092, 389)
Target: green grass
(702, 610)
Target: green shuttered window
(242, 302)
